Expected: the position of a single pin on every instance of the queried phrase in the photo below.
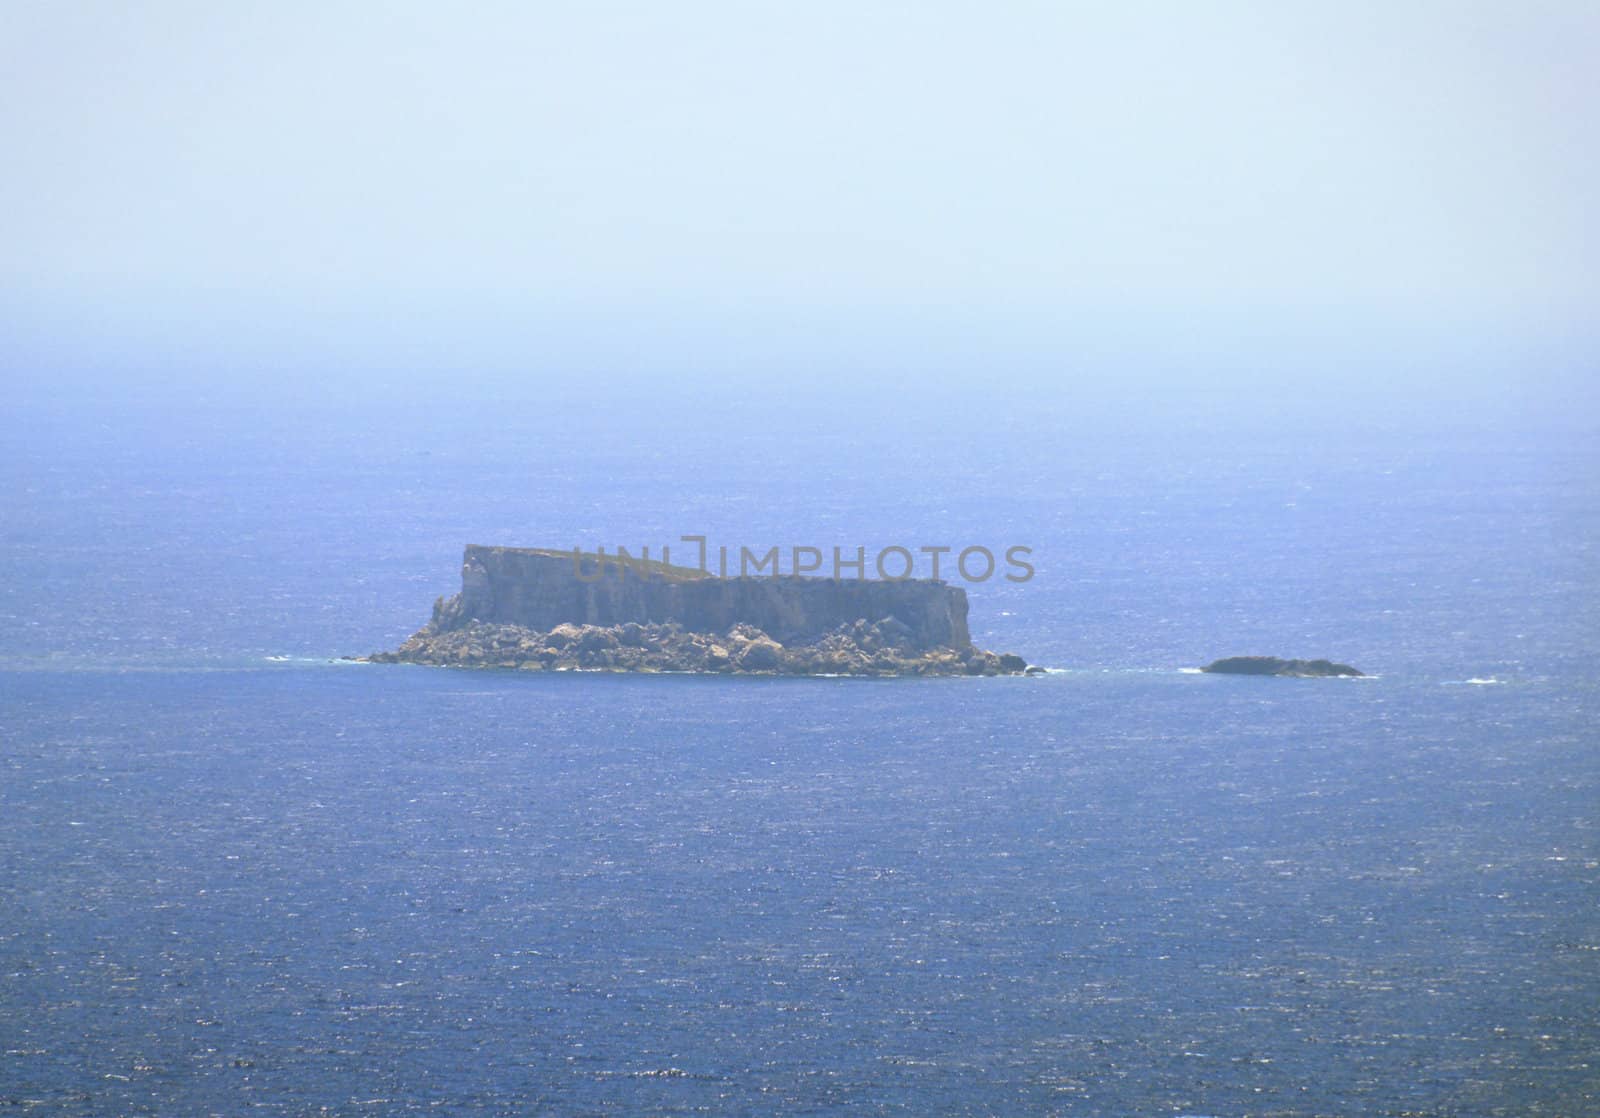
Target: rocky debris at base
(1272, 665)
(858, 649)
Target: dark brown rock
(1272, 665)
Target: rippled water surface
(1097, 894)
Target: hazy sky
(775, 188)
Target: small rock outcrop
(539, 610)
(1272, 665)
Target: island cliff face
(535, 609)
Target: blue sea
(240, 876)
